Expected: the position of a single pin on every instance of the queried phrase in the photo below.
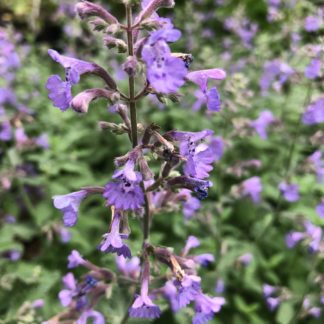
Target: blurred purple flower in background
(252, 187)
(69, 206)
(289, 191)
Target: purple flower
(198, 186)
(165, 72)
(125, 192)
(192, 242)
(143, 307)
(66, 295)
(272, 71)
(75, 259)
(314, 113)
(42, 141)
(273, 303)
(60, 91)
(97, 318)
(320, 209)
(204, 259)
(113, 240)
(312, 23)
(268, 290)
(313, 70)
(188, 288)
(212, 98)
(206, 307)
(245, 259)
(314, 236)
(170, 292)
(200, 156)
(261, 124)
(38, 303)
(220, 286)
(293, 238)
(69, 205)
(65, 234)
(129, 268)
(252, 187)
(5, 131)
(20, 136)
(290, 192)
(190, 204)
(316, 160)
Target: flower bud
(153, 6)
(87, 9)
(145, 169)
(130, 66)
(112, 42)
(80, 103)
(98, 24)
(117, 129)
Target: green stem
(131, 79)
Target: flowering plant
(135, 190)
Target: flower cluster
(185, 161)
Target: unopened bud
(80, 103)
(112, 42)
(87, 9)
(98, 24)
(130, 66)
(152, 7)
(117, 129)
(113, 29)
(145, 169)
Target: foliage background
(81, 155)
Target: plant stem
(132, 107)
(131, 79)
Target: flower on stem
(313, 70)
(113, 240)
(206, 307)
(320, 209)
(314, 113)
(75, 259)
(143, 307)
(5, 131)
(87, 9)
(129, 268)
(199, 155)
(312, 236)
(261, 124)
(198, 186)
(165, 72)
(97, 317)
(188, 288)
(66, 295)
(59, 90)
(80, 103)
(290, 191)
(318, 164)
(149, 7)
(190, 204)
(125, 192)
(212, 98)
(69, 206)
(312, 23)
(252, 187)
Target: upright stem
(132, 109)
(131, 79)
